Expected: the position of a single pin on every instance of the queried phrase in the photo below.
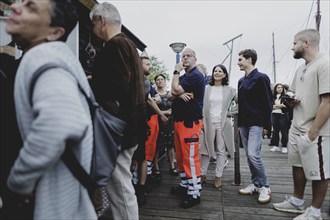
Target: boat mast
(231, 51)
(318, 16)
(274, 60)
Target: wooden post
(237, 157)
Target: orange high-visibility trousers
(186, 141)
(151, 143)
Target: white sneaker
(248, 190)
(288, 206)
(284, 150)
(308, 215)
(264, 195)
(275, 148)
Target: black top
(189, 111)
(254, 100)
(10, 138)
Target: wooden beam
(88, 3)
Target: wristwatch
(176, 72)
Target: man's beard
(298, 54)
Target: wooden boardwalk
(226, 203)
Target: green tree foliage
(157, 68)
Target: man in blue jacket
(255, 106)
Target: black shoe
(142, 199)
(213, 160)
(150, 183)
(189, 202)
(157, 176)
(152, 180)
(148, 188)
(179, 191)
(174, 172)
(141, 195)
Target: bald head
(189, 51)
(188, 59)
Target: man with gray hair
(308, 147)
(119, 88)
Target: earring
(49, 38)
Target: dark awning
(85, 31)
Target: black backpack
(108, 133)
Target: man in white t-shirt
(308, 148)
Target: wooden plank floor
(226, 203)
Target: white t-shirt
(277, 102)
(309, 82)
(216, 97)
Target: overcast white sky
(205, 25)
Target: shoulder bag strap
(68, 157)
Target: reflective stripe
(183, 179)
(186, 145)
(192, 164)
(149, 167)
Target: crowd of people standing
(191, 120)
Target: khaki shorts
(312, 156)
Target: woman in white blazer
(217, 99)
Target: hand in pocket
(306, 139)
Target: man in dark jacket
(255, 106)
(118, 87)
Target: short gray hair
(311, 35)
(108, 11)
(202, 69)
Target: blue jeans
(252, 142)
